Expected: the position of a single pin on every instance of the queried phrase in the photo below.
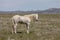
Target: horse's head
(36, 17)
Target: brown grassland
(47, 28)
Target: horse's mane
(31, 16)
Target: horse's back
(31, 15)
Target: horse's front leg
(27, 25)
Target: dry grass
(48, 28)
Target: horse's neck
(30, 16)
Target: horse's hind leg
(27, 25)
(15, 26)
(12, 29)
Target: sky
(28, 5)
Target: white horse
(26, 19)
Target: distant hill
(47, 11)
(52, 11)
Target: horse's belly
(25, 20)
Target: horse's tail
(11, 20)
